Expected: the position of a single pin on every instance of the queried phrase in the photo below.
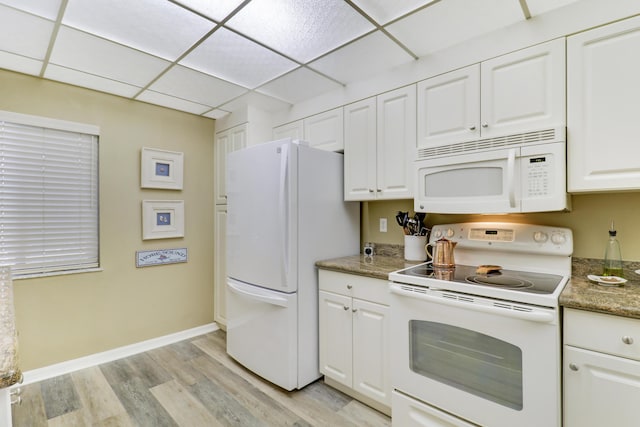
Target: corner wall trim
(40, 374)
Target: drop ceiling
(206, 57)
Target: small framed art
(161, 169)
(162, 219)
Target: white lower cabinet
(354, 336)
(601, 370)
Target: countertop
(579, 293)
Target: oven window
(464, 182)
(467, 360)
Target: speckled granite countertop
(579, 293)
(379, 267)
(583, 294)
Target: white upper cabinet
(520, 92)
(603, 95)
(380, 143)
(324, 130)
(523, 91)
(449, 107)
(290, 130)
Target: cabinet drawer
(362, 287)
(602, 332)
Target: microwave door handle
(511, 177)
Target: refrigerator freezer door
(261, 220)
(262, 332)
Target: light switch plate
(383, 225)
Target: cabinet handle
(472, 127)
(485, 125)
(349, 286)
(379, 190)
(345, 308)
(573, 366)
(627, 339)
(354, 310)
(371, 190)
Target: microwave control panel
(538, 175)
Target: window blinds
(48, 199)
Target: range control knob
(450, 232)
(437, 233)
(540, 237)
(558, 238)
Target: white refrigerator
(285, 211)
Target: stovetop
(522, 281)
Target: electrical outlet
(383, 225)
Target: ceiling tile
(450, 22)
(160, 28)
(78, 78)
(45, 8)
(185, 83)
(21, 64)
(384, 11)
(236, 59)
(83, 52)
(362, 59)
(300, 29)
(298, 85)
(23, 33)
(217, 10)
(172, 102)
(538, 7)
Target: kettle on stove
(442, 255)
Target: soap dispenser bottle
(612, 256)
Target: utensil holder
(414, 248)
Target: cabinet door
(220, 265)
(449, 108)
(599, 389)
(324, 130)
(523, 91)
(360, 150)
(396, 149)
(290, 130)
(335, 330)
(371, 368)
(603, 97)
(226, 141)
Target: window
(48, 195)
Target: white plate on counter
(607, 280)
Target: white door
(396, 148)
(336, 337)
(262, 332)
(360, 150)
(599, 389)
(261, 220)
(408, 412)
(226, 142)
(371, 348)
(220, 265)
(290, 130)
(603, 98)
(523, 91)
(449, 108)
(324, 130)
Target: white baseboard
(69, 366)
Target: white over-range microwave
(518, 173)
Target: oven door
(489, 362)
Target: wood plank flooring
(190, 383)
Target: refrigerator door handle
(284, 220)
(256, 294)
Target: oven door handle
(533, 316)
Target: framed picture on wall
(161, 169)
(162, 219)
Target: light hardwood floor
(191, 383)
